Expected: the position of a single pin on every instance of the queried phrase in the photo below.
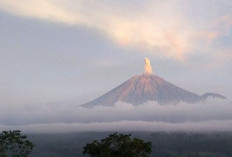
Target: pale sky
(71, 51)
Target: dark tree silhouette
(118, 145)
(13, 144)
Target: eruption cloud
(147, 66)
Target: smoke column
(147, 66)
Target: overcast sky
(71, 51)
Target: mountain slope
(147, 87)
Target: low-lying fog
(213, 115)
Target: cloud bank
(213, 115)
(208, 126)
(162, 28)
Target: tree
(13, 144)
(118, 145)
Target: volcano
(149, 87)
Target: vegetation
(174, 144)
(118, 145)
(13, 144)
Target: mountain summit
(149, 87)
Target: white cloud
(211, 115)
(161, 28)
(215, 125)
